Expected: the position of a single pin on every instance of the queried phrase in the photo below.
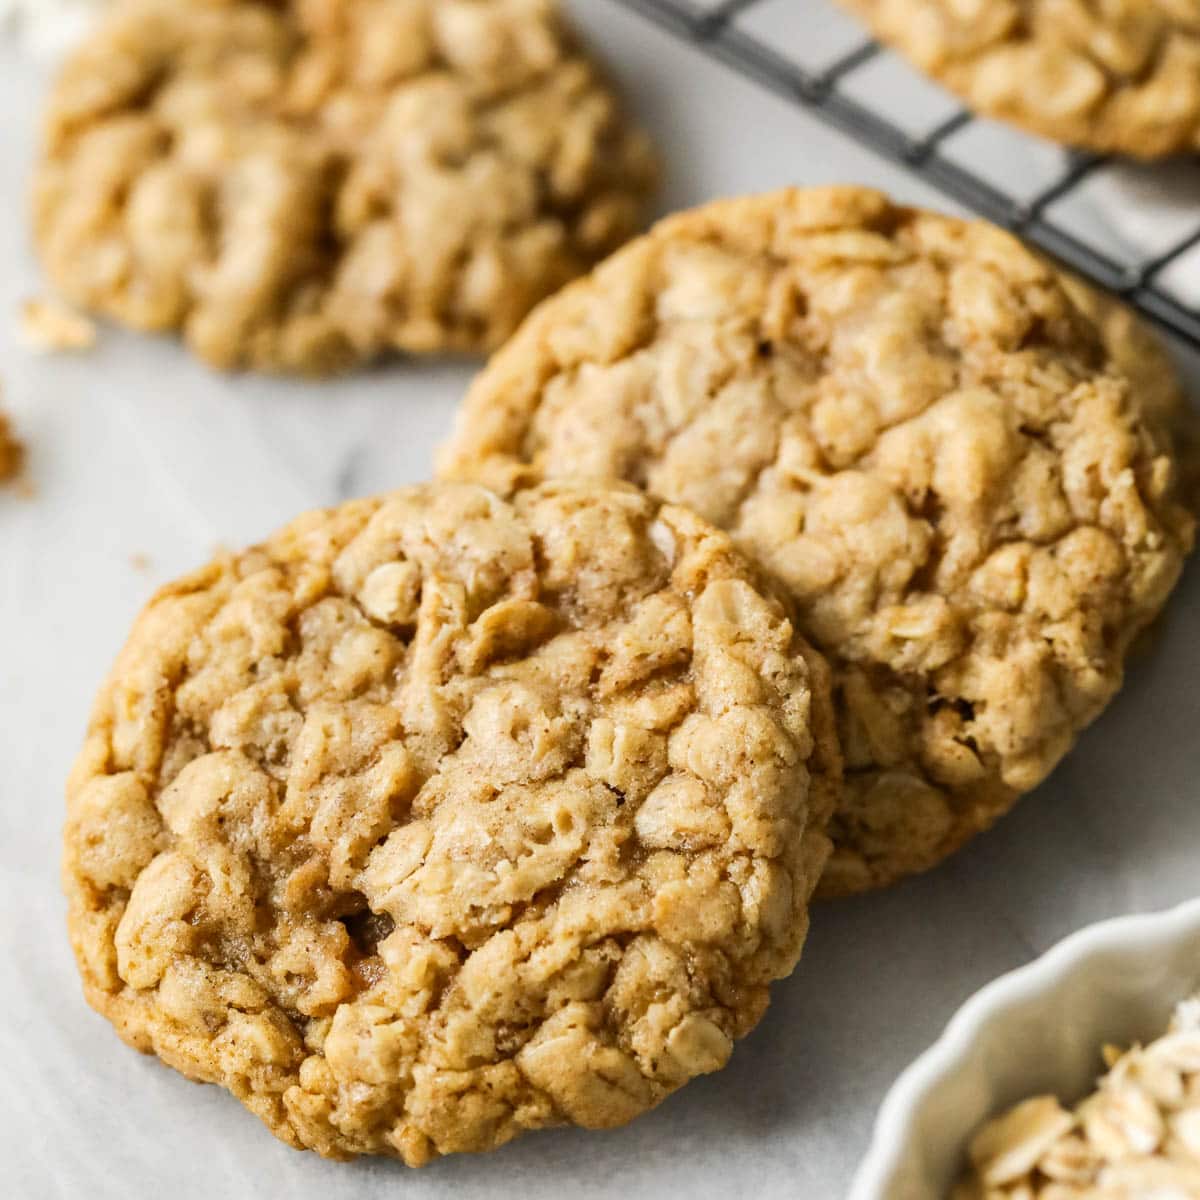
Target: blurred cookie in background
(305, 186)
(1117, 77)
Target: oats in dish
(1136, 1137)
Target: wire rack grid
(845, 90)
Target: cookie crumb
(12, 453)
(51, 327)
(141, 562)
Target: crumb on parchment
(49, 326)
(12, 452)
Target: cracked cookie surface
(438, 817)
(304, 185)
(907, 421)
(1117, 76)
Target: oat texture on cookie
(440, 817)
(303, 185)
(1117, 76)
(906, 420)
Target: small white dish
(1035, 1030)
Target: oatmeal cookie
(905, 419)
(1139, 354)
(1116, 76)
(303, 185)
(440, 817)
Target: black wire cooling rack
(846, 88)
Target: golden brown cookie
(904, 417)
(1117, 76)
(438, 818)
(308, 184)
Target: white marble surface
(137, 451)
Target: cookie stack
(778, 556)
